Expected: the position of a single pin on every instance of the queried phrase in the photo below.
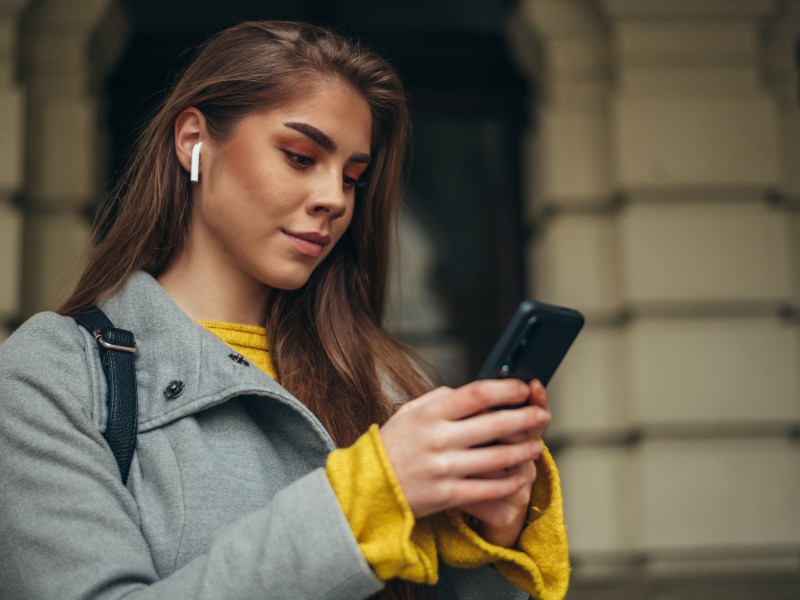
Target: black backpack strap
(117, 348)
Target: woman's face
(278, 194)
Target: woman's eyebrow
(324, 141)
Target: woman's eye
(353, 182)
(300, 160)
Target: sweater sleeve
(540, 563)
(392, 541)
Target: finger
(470, 491)
(499, 473)
(538, 394)
(485, 510)
(545, 416)
(493, 474)
(534, 433)
(501, 459)
(526, 468)
(495, 425)
(527, 434)
(544, 422)
(479, 396)
(538, 448)
(500, 521)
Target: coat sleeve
(70, 529)
(476, 583)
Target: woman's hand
(441, 448)
(502, 521)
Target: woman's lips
(309, 243)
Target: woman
(263, 192)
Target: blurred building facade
(662, 193)
(666, 197)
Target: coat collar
(173, 348)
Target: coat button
(235, 356)
(173, 389)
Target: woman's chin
(288, 284)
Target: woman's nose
(329, 198)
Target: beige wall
(12, 117)
(664, 190)
(53, 57)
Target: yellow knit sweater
(394, 543)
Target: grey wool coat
(227, 495)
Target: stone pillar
(781, 64)
(12, 116)
(655, 168)
(68, 48)
(573, 204)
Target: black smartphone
(534, 342)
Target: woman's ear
(190, 128)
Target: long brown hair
(326, 340)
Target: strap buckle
(98, 335)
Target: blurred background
(638, 160)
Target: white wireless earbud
(194, 176)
